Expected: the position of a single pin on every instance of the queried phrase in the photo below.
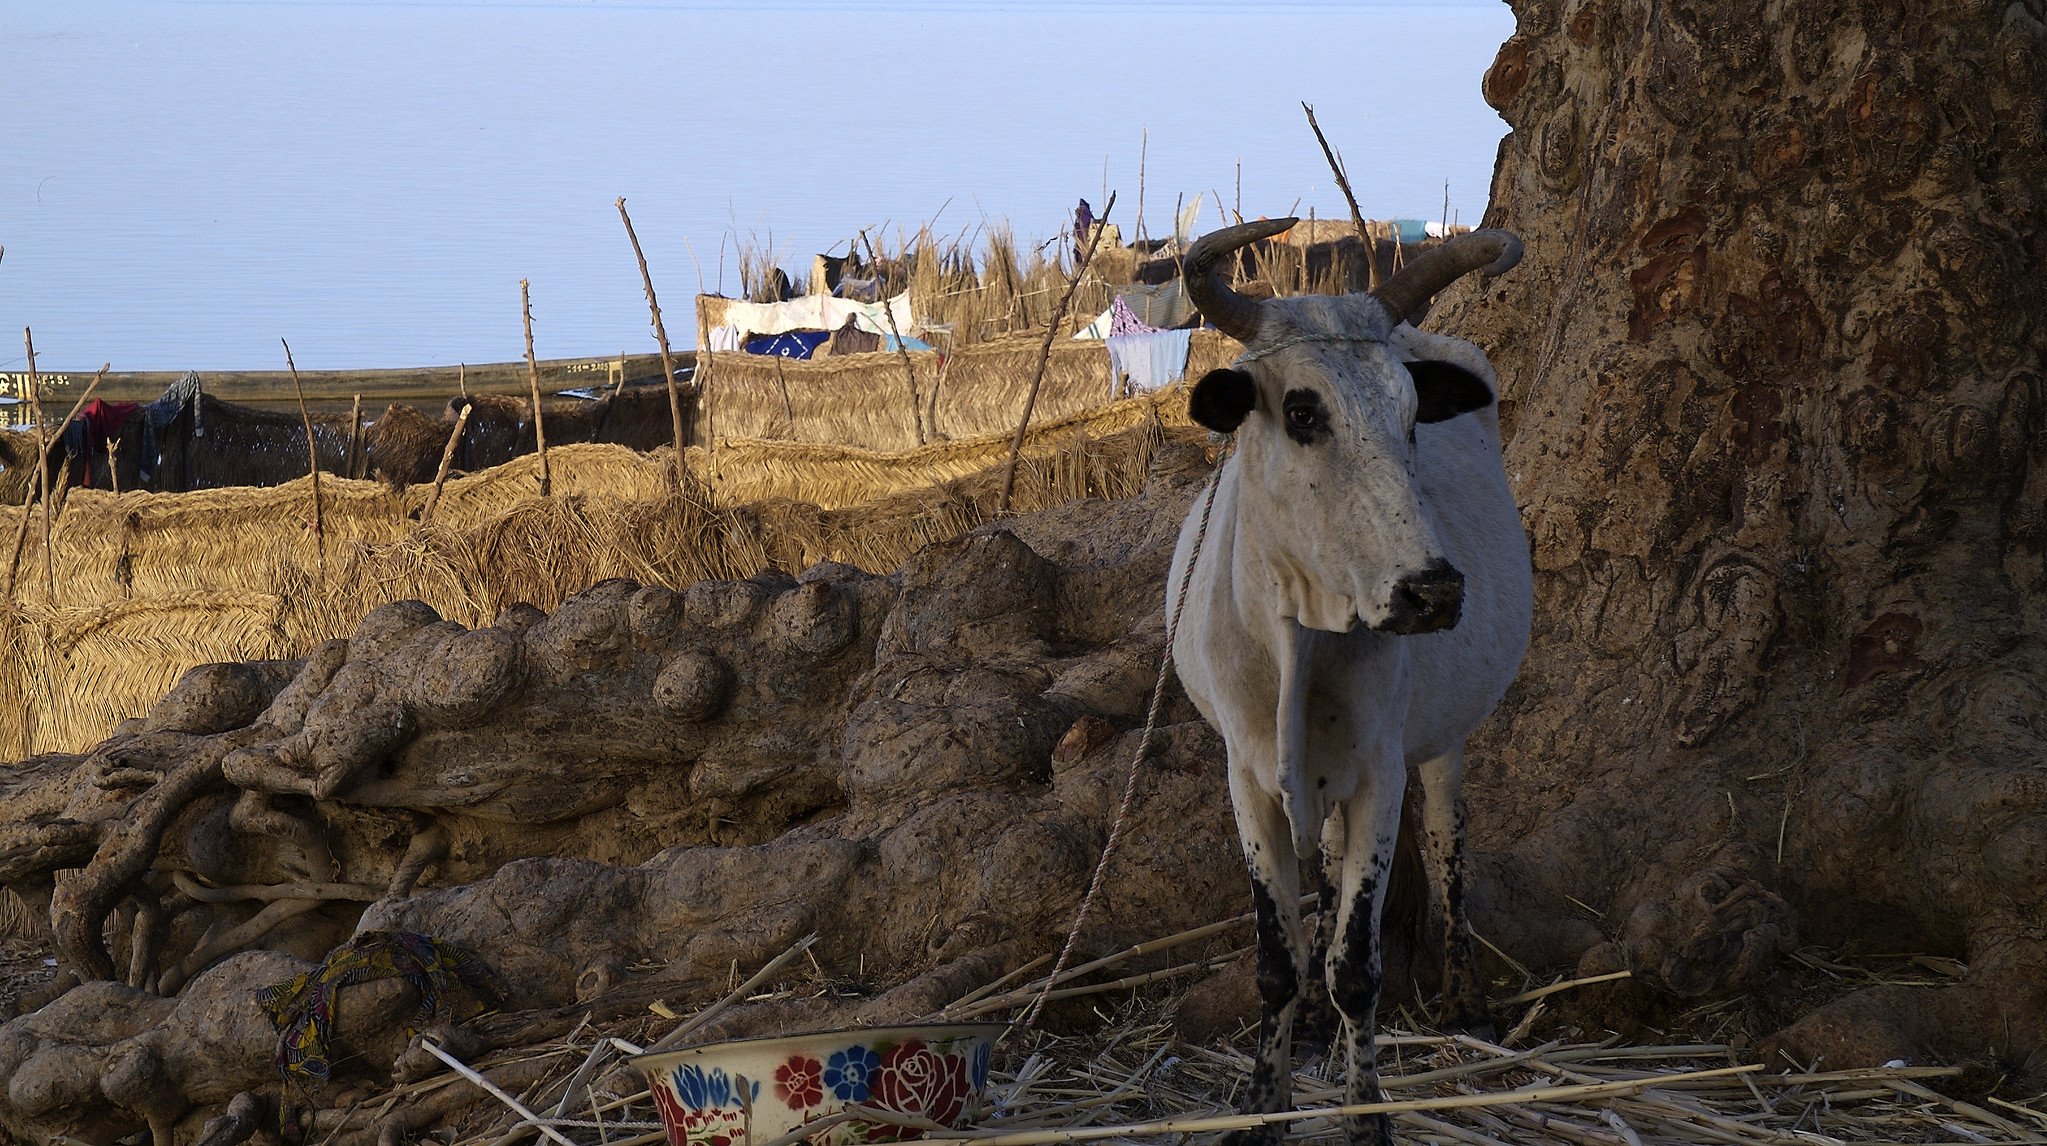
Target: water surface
(183, 184)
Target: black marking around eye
(1305, 417)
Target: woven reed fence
(149, 585)
(863, 400)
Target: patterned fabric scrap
(452, 981)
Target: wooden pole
(114, 465)
(348, 456)
(42, 462)
(888, 311)
(660, 336)
(533, 381)
(1023, 424)
(447, 459)
(312, 460)
(43, 446)
(1357, 219)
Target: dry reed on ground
(157, 583)
(1131, 1079)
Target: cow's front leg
(1282, 953)
(1464, 1002)
(1372, 820)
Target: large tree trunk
(1772, 376)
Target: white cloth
(818, 312)
(1149, 361)
(725, 339)
(1099, 328)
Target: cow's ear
(1445, 390)
(1222, 400)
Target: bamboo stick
(349, 455)
(533, 382)
(494, 1090)
(43, 447)
(660, 336)
(1252, 1121)
(312, 460)
(433, 496)
(1566, 985)
(691, 1025)
(1023, 424)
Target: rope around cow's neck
(1151, 720)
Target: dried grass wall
(148, 585)
(863, 400)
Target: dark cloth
(789, 344)
(850, 339)
(178, 397)
(1083, 222)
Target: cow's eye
(1307, 419)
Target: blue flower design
(700, 1090)
(982, 1052)
(849, 1074)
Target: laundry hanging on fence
(820, 312)
(788, 344)
(1122, 321)
(1160, 307)
(724, 338)
(1148, 361)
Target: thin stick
(1143, 146)
(433, 497)
(495, 1091)
(349, 455)
(533, 381)
(1251, 1121)
(1023, 424)
(312, 460)
(43, 447)
(114, 465)
(42, 462)
(1568, 984)
(660, 336)
(696, 1022)
(462, 379)
(888, 311)
(1357, 218)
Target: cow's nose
(1426, 601)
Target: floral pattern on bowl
(748, 1092)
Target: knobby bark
(1772, 373)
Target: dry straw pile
(1133, 1080)
(148, 585)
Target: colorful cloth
(788, 344)
(302, 1008)
(1121, 321)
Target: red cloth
(103, 420)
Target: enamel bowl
(752, 1091)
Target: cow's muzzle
(1426, 601)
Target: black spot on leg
(1354, 973)
(1278, 980)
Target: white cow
(1360, 602)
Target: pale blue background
(183, 183)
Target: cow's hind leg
(1464, 1003)
(1282, 955)
(1372, 823)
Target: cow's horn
(1232, 313)
(1407, 292)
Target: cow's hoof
(1256, 1136)
(1471, 1017)
(1371, 1130)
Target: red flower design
(914, 1079)
(798, 1082)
